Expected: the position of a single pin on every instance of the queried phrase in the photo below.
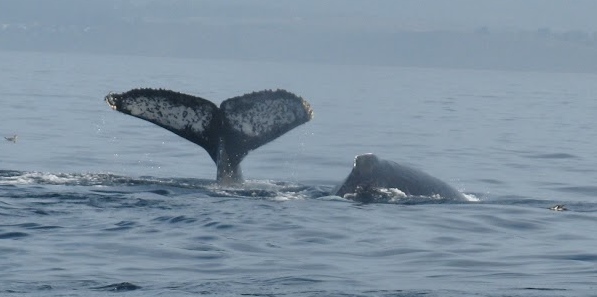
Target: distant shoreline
(541, 50)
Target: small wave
(286, 280)
(396, 196)
(543, 289)
(45, 178)
(109, 190)
(105, 184)
(119, 287)
(122, 225)
(266, 189)
(26, 178)
(34, 226)
(13, 235)
(584, 190)
(547, 204)
(491, 181)
(553, 156)
(175, 220)
(93, 179)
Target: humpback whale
(371, 175)
(227, 133)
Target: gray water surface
(93, 201)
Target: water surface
(93, 201)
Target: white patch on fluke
(161, 110)
(263, 116)
(247, 129)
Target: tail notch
(228, 133)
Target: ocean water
(94, 202)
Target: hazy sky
(483, 34)
(414, 14)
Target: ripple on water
(553, 156)
(582, 190)
(118, 287)
(13, 235)
(175, 219)
(123, 225)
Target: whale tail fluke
(228, 133)
(254, 119)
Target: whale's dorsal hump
(365, 164)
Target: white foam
(471, 197)
(394, 193)
(39, 177)
(253, 188)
